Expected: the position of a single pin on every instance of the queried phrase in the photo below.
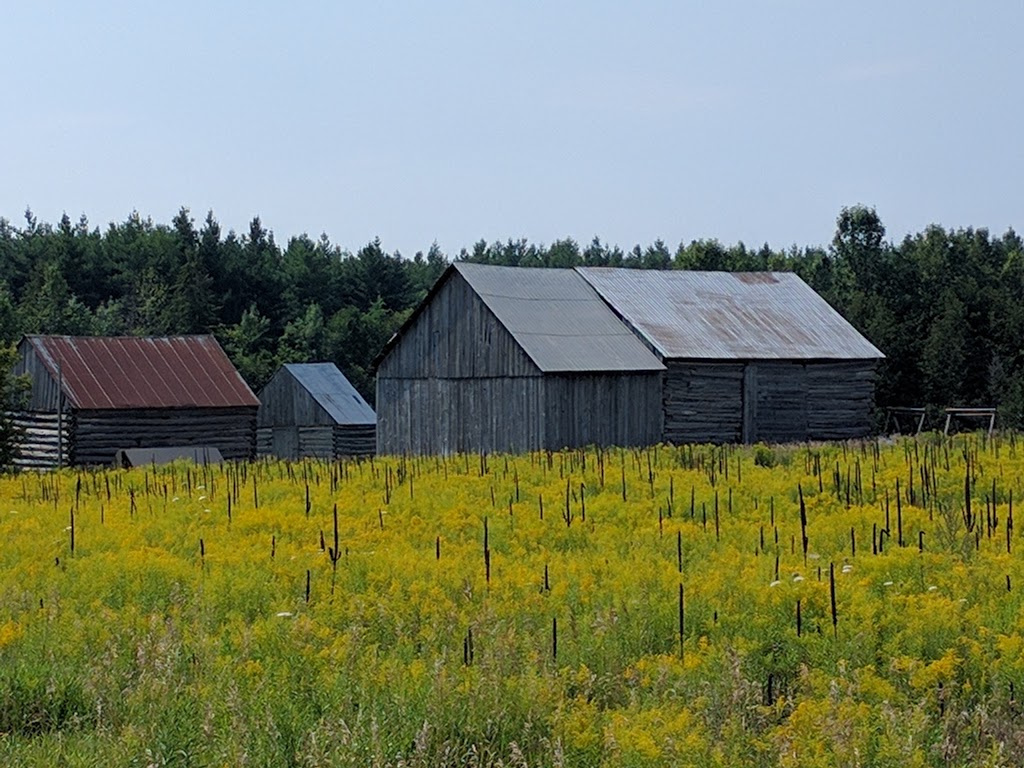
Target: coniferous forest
(945, 306)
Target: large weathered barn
(506, 359)
(749, 356)
(312, 410)
(509, 359)
(91, 396)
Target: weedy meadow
(823, 605)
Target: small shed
(749, 356)
(126, 458)
(91, 396)
(312, 410)
(504, 359)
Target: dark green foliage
(946, 307)
(12, 393)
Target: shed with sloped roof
(312, 410)
(502, 359)
(91, 396)
(749, 356)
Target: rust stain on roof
(753, 278)
(729, 315)
(110, 372)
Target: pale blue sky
(455, 121)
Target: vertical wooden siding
(285, 402)
(775, 394)
(457, 381)
(443, 416)
(602, 409)
(456, 337)
(45, 393)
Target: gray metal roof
(558, 319)
(729, 315)
(334, 393)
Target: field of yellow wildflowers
(824, 605)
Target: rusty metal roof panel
(110, 372)
(729, 315)
(333, 392)
(558, 319)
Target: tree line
(945, 306)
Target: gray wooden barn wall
(457, 381)
(45, 393)
(767, 401)
(286, 403)
(602, 409)
(443, 416)
(456, 336)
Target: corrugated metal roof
(106, 372)
(725, 315)
(335, 394)
(558, 319)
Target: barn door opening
(285, 443)
(774, 402)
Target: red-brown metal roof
(104, 372)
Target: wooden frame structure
(893, 414)
(971, 413)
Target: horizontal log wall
(768, 401)
(41, 444)
(355, 441)
(840, 399)
(264, 441)
(98, 434)
(316, 442)
(703, 402)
